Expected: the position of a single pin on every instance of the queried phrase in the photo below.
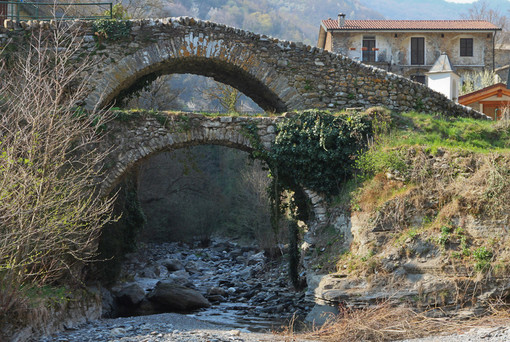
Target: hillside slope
(425, 223)
(291, 20)
(431, 9)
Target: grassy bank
(431, 197)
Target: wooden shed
(493, 101)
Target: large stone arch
(231, 62)
(129, 142)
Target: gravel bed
(159, 328)
(492, 334)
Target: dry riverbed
(182, 328)
(159, 328)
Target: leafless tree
(256, 183)
(50, 212)
(227, 96)
(481, 10)
(139, 9)
(159, 95)
(475, 80)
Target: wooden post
(3, 11)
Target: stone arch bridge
(143, 134)
(278, 75)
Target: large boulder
(108, 302)
(171, 296)
(321, 314)
(180, 278)
(131, 294)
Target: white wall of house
(394, 49)
(445, 83)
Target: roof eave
(487, 92)
(406, 29)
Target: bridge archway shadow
(221, 71)
(136, 200)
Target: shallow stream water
(255, 293)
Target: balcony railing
(21, 10)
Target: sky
(462, 1)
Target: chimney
(341, 20)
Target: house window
(417, 51)
(368, 49)
(418, 78)
(466, 47)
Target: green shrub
(445, 235)
(483, 258)
(111, 29)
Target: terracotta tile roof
(442, 25)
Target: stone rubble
(229, 276)
(247, 290)
(160, 328)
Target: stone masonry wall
(278, 75)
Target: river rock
(176, 297)
(320, 314)
(172, 264)
(256, 258)
(216, 298)
(107, 301)
(216, 291)
(131, 294)
(180, 278)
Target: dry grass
(380, 190)
(386, 323)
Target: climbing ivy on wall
(316, 150)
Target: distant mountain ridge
(299, 20)
(296, 20)
(430, 9)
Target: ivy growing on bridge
(111, 29)
(315, 149)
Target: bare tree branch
(50, 213)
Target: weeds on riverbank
(51, 213)
(383, 322)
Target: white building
(443, 78)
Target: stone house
(502, 60)
(411, 47)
